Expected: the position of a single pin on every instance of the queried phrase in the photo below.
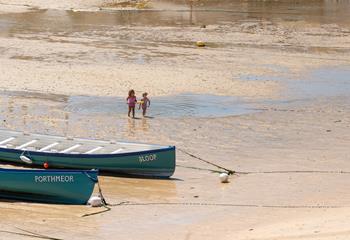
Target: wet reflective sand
(267, 97)
(107, 52)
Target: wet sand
(296, 186)
(287, 73)
(106, 53)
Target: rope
(108, 206)
(254, 172)
(295, 171)
(267, 172)
(229, 171)
(103, 200)
(37, 234)
(107, 209)
(197, 168)
(95, 180)
(29, 234)
(232, 205)
(126, 203)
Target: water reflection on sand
(104, 117)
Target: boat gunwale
(83, 139)
(156, 147)
(94, 171)
(84, 155)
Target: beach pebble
(223, 177)
(95, 201)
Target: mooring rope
(126, 203)
(254, 172)
(295, 171)
(37, 234)
(107, 209)
(199, 204)
(229, 171)
(267, 172)
(108, 206)
(103, 201)
(198, 168)
(28, 233)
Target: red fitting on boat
(46, 165)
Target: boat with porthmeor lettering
(48, 186)
(75, 153)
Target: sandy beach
(268, 97)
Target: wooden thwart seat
(48, 147)
(26, 144)
(117, 151)
(7, 140)
(94, 150)
(71, 148)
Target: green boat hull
(153, 163)
(48, 186)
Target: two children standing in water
(131, 100)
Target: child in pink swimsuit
(145, 103)
(131, 101)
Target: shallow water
(323, 82)
(172, 13)
(123, 30)
(106, 117)
(184, 105)
(30, 108)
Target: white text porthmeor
(49, 179)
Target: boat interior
(56, 144)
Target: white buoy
(223, 177)
(95, 201)
(26, 159)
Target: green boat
(75, 153)
(48, 186)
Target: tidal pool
(183, 105)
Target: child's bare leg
(133, 112)
(144, 112)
